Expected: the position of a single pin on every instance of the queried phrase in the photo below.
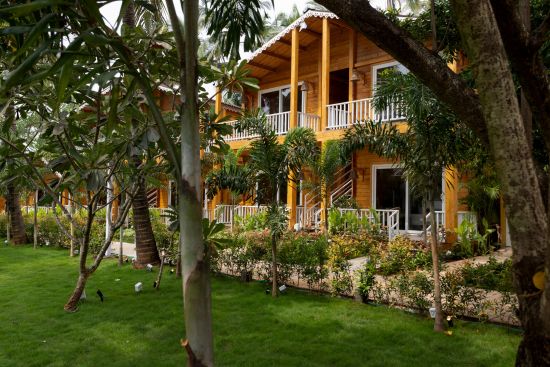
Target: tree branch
(429, 68)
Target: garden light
(138, 287)
(149, 267)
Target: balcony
(346, 114)
(339, 116)
(280, 123)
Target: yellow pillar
(294, 90)
(325, 73)
(451, 201)
(218, 197)
(163, 194)
(351, 62)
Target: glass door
(392, 191)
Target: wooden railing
(343, 115)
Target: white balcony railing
(342, 115)
(309, 120)
(387, 218)
(280, 122)
(226, 213)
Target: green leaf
(16, 76)
(33, 35)
(24, 9)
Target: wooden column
(216, 199)
(325, 73)
(351, 62)
(294, 90)
(163, 195)
(451, 201)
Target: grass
(251, 329)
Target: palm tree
(435, 140)
(324, 167)
(146, 246)
(272, 164)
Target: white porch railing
(309, 120)
(439, 219)
(226, 213)
(465, 215)
(280, 123)
(387, 218)
(343, 187)
(306, 216)
(30, 208)
(342, 115)
(238, 135)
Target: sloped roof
(307, 15)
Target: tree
(423, 151)
(324, 167)
(273, 164)
(494, 37)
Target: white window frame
(377, 67)
(279, 88)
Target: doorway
(391, 190)
(339, 86)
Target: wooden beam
(260, 66)
(289, 44)
(312, 33)
(277, 56)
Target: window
(377, 71)
(277, 100)
(395, 111)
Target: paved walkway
(128, 249)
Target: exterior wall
(346, 50)
(363, 162)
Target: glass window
(279, 101)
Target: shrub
(402, 254)
(366, 280)
(493, 275)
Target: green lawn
(251, 329)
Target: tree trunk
(146, 246)
(274, 288)
(35, 221)
(17, 224)
(516, 170)
(72, 303)
(438, 324)
(194, 256)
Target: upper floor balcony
(339, 116)
(318, 73)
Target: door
(392, 190)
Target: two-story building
(334, 71)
